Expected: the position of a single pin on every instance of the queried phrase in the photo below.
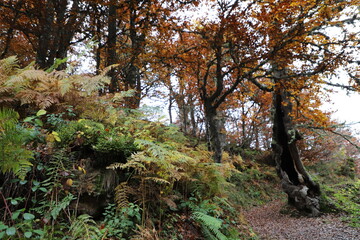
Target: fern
(157, 180)
(45, 88)
(145, 233)
(210, 226)
(121, 195)
(85, 228)
(136, 163)
(65, 202)
(13, 156)
(169, 201)
(120, 97)
(56, 64)
(8, 120)
(161, 165)
(8, 66)
(156, 166)
(86, 85)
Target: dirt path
(270, 224)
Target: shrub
(80, 133)
(347, 169)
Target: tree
(48, 27)
(111, 44)
(187, 103)
(12, 41)
(249, 118)
(215, 54)
(283, 47)
(133, 28)
(300, 55)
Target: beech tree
(133, 29)
(215, 53)
(301, 53)
(46, 27)
(284, 47)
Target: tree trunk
(132, 70)
(302, 192)
(45, 38)
(183, 113)
(98, 36)
(67, 27)
(58, 26)
(133, 81)
(111, 49)
(193, 120)
(10, 31)
(215, 136)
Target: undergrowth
(97, 171)
(254, 185)
(86, 168)
(340, 188)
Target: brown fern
(121, 195)
(146, 233)
(40, 89)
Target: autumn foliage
(236, 77)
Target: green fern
(85, 228)
(157, 167)
(56, 64)
(14, 157)
(136, 164)
(210, 226)
(120, 97)
(155, 160)
(64, 203)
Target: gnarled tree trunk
(302, 192)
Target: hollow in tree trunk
(302, 192)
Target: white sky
(347, 107)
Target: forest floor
(275, 221)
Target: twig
(6, 206)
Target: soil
(269, 223)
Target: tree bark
(111, 49)
(10, 31)
(193, 120)
(133, 81)
(45, 37)
(58, 25)
(215, 135)
(302, 192)
(132, 71)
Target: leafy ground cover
(145, 182)
(134, 179)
